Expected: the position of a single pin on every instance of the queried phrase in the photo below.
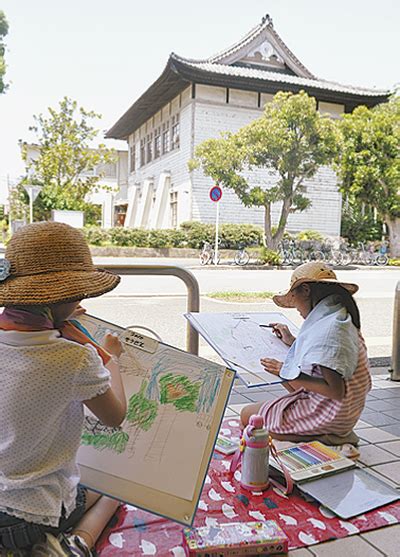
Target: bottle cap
(256, 421)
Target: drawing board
(158, 458)
(241, 342)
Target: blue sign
(215, 193)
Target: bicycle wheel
(242, 258)
(316, 255)
(287, 258)
(205, 257)
(381, 260)
(346, 258)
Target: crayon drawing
(171, 398)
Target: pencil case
(235, 538)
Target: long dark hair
(320, 290)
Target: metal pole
(30, 193)
(216, 236)
(395, 370)
(193, 290)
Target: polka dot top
(44, 380)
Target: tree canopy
(3, 33)
(291, 140)
(369, 162)
(68, 167)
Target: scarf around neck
(41, 319)
(328, 338)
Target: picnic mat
(134, 532)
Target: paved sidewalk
(379, 431)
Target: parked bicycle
(242, 257)
(207, 254)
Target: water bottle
(255, 455)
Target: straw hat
(315, 271)
(49, 263)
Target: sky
(105, 54)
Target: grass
(238, 296)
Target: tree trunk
(394, 236)
(277, 237)
(267, 226)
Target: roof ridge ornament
(267, 19)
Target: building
(114, 179)
(194, 100)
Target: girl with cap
(326, 368)
(50, 370)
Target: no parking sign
(215, 193)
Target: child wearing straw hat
(50, 370)
(326, 368)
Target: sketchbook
(241, 342)
(158, 458)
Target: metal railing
(395, 370)
(193, 291)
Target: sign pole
(216, 236)
(30, 193)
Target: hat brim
(285, 300)
(56, 287)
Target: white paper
(241, 342)
(172, 397)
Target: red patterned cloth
(135, 533)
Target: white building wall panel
(324, 215)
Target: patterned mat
(136, 533)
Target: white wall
(213, 116)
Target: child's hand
(78, 311)
(271, 365)
(113, 345)
(282, 331)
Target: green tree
(369, 164)
(291, 141)
(3, 33)
(66, 160)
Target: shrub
(231, 236)
(95, 235)
(313, 235)
(357, 227)
(197, 233)
(394, 262)
(269, 256)
(134, 237)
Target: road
(159, 302)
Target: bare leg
(248, 411)
(95, 519)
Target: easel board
(158, 458)
(241, 342)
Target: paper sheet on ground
(173, 404)
(241, 342)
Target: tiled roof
(267, 75)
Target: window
(132, 158)
(175, 131)
(165, 138)
(142, 153)
(157, 143)
(174, 208)
(149, 147)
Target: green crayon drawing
(179, 391)
(116, 442)
(142, 411)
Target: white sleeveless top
(43, 381)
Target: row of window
(164, 139)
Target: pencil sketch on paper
(241, 341)
(171, 397)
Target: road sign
(33, 191)
(215, 193)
